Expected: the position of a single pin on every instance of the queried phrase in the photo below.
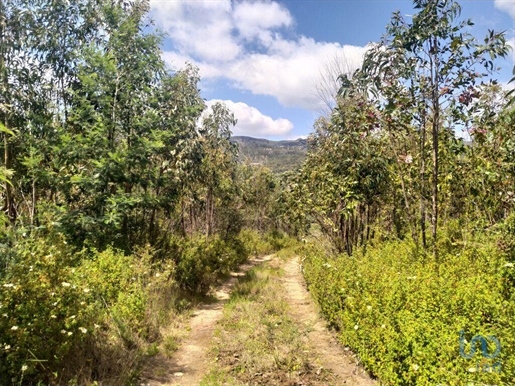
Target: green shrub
(402, 313)
(46, 310)
(201, 261)
(57, 305)
(267, 243)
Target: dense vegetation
(122, 195)
(418, 271)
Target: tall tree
(435, 62)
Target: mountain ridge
(279, 156)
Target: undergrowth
(411, 319)
(110, 309)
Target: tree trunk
(435, 129)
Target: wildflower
(356, 327)
(10, 285)
(508, 265)
(65, 284)
(96, 326)
(83, 330)
(70, 333)
(383, 326)
(157, 275)
(63, 331)
(14, 328)
(408, 159)
(53, 316)
(86, 290)
(369, 308)
(24, 368)
(415, 367)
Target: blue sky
(270, 61)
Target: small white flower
(7, 347)
(369, 308)
(408, 159)
(157, 275)
(72, 317)
(96, 326)
(53, 316)
(472, 370)
(86, 290)
(10, 285)
(63, 331)
(70, 333)
(14, 328)
(415, 367)
(24, 368)
(356, 327)
(65, 284)
(83, 330)
(508, 265)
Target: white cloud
(257, 18)
(507, 6)
(290, 71)
(218, 37)
(511, 42)
(200, 28)
(253, 122)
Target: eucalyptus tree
(346, 173)
(39, 45)
(219, 161)
(425, 70)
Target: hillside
(279, 156)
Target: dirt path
(331, 354)
(190, 362)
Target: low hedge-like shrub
(411, 320)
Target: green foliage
(201, 261)
(46, 310)
(402, 313)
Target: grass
(257, 342)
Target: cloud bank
(249, 44)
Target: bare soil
(329, 351)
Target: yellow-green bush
(201, 261)
(45, 309)
(402, 312)
(261, 244)
(57, 305)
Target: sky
(266, 59)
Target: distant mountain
(279, 156)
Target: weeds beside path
(190, 362)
